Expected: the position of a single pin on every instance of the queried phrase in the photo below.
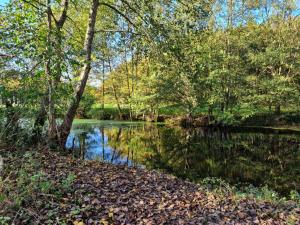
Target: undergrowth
(264, 193)
(23, 184)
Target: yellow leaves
(78, 223)
(104, 222)
(293, 219)
(10, 83)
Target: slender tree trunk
(65, 127)
(59, 39)
(210, 112)
(40, 120)
(103, 87)
(117, 99)
(128, 84)
(277, 109)
(42, 114)
(115, 91)
(51, 112)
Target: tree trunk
(51, 112)
(65, 127)
(40, 121)
(277, 109)
(103, 83)
(128, 85)
(115, 92)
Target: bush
(86, 104)
(271, 119)
(109, 113)
(227, 118)
(217, 185)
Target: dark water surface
(239, 157)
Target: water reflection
(238, 157)
(93, 143)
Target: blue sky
(2, 2)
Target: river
(240, 157)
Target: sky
(3, 2)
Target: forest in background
(127, 59)
(241, 61)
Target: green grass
(99, 106)
(109, 112)
(109, 122)
(171, 110)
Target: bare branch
(6, 55)
(30, 3)
(115, 31)
(119, 12)
(134, 10)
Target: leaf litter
(103, 193)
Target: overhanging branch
(119, 12)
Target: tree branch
(60, 22)
(115, 31)
(134, 10)
(36, 7)
(3, 55)
(119, 12)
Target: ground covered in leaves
(42, 187)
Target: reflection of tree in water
(236, 157)
(134, 143)
(78, 146)
(260, 159)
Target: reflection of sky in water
(96, 146)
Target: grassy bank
(43, 187)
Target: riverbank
(45, 187)
(178, 116)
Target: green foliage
(227, 118)
(86, 103)
(187, 57)
(263, 193)
(259, 193)
(295, 196)
(110, 112)
(4, 220)
(172, 110)
(67, 183)
(217, 185)
(234, 70)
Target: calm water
(237, 157)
